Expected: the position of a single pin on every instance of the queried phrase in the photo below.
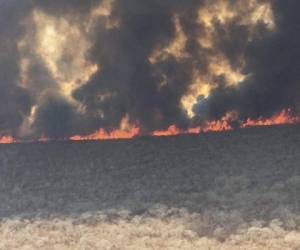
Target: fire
(217, 126)
(194, 130)
(43, 138)
(172, 130)
(284, 117)
(128, 132)
(213, 126)
(102, 134)
(7, 140)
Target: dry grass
(161, 228)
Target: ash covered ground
(230, 190)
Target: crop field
(231, 190)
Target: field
(229, 190)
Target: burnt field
(229, 190)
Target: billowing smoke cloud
(272, 66)
(72, 67)
(14, 100)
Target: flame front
(102, 134)
(172, 130)
(7, 140)
(284, 117)
(129, 132)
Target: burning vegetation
(109, 69)
(224, 124)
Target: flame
(10, 140)
(217, 126)
(43, 138)
(284, 117)
(102, 134)
(172, 130)
(212, 126)
(126, 131)
(7, 140)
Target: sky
(72, 67)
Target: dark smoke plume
(14, 100)
(274, 66)
(148, 60)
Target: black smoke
(15, 101)
(273, 65)
(128, 84)
(126, 72)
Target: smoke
(71, 67)
(14, 100)
(271, 65)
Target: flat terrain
(230, 190)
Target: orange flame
(283, 117)
(219, 125)
(7, 140)
(194, 130)
(43, 138)
(101, 134)
(172, 130)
